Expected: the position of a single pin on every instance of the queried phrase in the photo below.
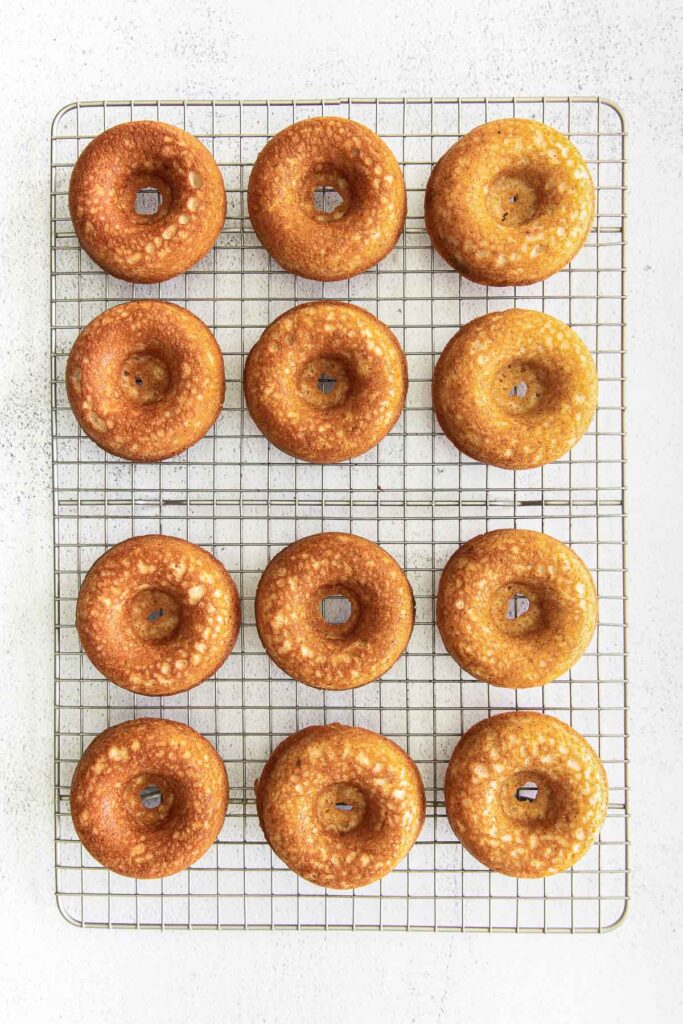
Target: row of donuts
(349, 833)
(516, 389)
(158, 615)
(510, 203)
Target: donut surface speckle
(493, 570)
(479, 372)
(511, 203)
(340, 805)
(334, 656)
(145, 380)
(107, 808)
(110, 172)
(157, 615)
(339, 154)
(334, 342)
(489, 785)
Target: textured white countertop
(60, 51)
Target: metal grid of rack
(415, 494)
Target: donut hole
(529, 796)
(147, 196)
(516, 609)
(336, 609)
(325, 199)
(154, 614)
(145, 378)
(340, 807)
(148, 201)
(337, 612)
(528, 791)
(151, 796)
(328, 195)
(518, 605)
(521, 388)
(325, 382)
(514, 198)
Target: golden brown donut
(511, 203)
(518, 833)
(110, 172)
(157, 615)
(339, 154)
(334, 656)
(128, 836)
(475, 382)
(337, 342)
(476, 588)
(145, 380)
(340, 805)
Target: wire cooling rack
(415, 494)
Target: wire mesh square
(414, 494)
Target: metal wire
(414, 494)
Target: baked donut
(289, 617)
(483, 583)
(532, 834)
(509, 204)
(477, 381)
(336, 153)
(113, 822)
(109, 173)
(340, 805)
(157, 615)
(145, 380)
(331, 342)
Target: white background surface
(56, 52)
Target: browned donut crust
(334, 656)
(339, 154)
(113, 823)
(332, 340)
(475, 378)
(511, 203)
(304, 782)
(110, 172)
(484, 576)
(157, 615)
(145, 380)
(520, 835)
